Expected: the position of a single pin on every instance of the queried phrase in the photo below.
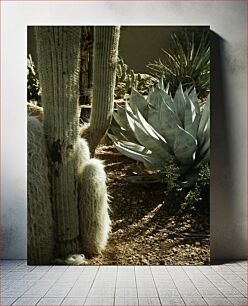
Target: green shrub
(193, 198)
(170, 175)
(198, 195)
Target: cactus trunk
(58, 50)
(106, 41)
(40, 223)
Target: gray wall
(229, 96)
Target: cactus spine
(106, 41)
(58, 50)
(40, 223)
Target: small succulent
(158, 129)
(126, 79)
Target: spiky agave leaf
(171, 129)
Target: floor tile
(126, 283)
(164, 292)
(79, 291)
(145, 283)
(149, 301)
(210, 292)
(15, 275)
(167, 301)
(126, 301)
(7, 300)
(39, 289)
(239, 301)
(58, 291)
(229, 291)
(102, 292)
(73, 301)
(50, 301)
(75, 269)
(99, 301)
(147, 292)
(189, 292)
(26, 301)
(125, 269)
(42, 268)
(104, 283)
(108, 269)
(126, 292)
(199, 301)
(58, 268)
(13, 292)
(217, 301)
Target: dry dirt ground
(145, 230)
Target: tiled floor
(123, 285)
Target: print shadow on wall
(118, 145)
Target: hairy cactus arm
(93, 208)
(40, 247)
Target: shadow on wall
(227, 239)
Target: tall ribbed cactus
(58, 50)
(40, 223)
(106, 42)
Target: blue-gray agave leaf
(165, 128)
(185, 147)
(193, 97)
(138, 101)
(121, 118)
(204, 122)
(179, 101)
(191, 117)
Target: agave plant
(159, 129)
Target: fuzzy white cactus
(93, 208)
(82, 154)
(40, 223)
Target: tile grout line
(72, 286)
(195, 285)
(115, 283)
(98, 268)
(136, 285)
(228, 282)
(175, 286)
(212, 284)
(35, 280)
(156, 285)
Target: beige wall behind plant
(138, 46)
